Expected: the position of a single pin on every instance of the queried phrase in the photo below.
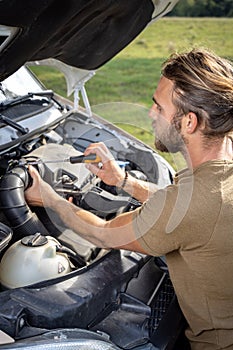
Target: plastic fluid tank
(33, 259)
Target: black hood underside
(81, 33)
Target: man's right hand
(109, 172)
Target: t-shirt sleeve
(156, 223)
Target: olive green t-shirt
(191, 223)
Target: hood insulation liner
(81, 33)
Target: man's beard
(169, 138)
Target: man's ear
(190, 122)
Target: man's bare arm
(113, 175)
(115, 233)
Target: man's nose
(152, 113)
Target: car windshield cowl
(7, 121)
(8, 143)
(14, 101)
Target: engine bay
(70, 139)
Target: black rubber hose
(12, 202)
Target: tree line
(203, 8)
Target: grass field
(121, 90)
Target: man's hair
(203, 84)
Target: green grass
(131, 77)
(133, 74)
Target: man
(191, 221)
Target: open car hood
(81, 33)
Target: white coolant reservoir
(33, 259)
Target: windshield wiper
(20, 99)
(7, 121)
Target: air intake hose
(12, 202)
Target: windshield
(18, 84)
(25, 108)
